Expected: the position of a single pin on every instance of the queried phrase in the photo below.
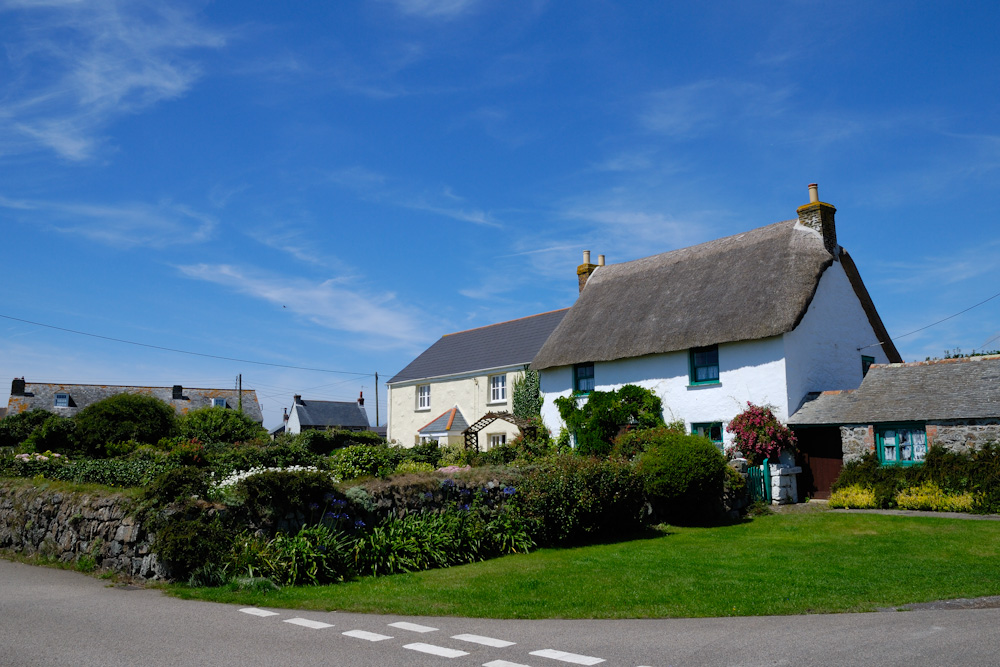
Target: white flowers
(223, 487)
(37, 457)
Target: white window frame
(497, 439)
(498, 388)
(423, 397)
(61, 400)
(218, 402)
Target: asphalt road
(55, 617)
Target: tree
(219, 425)
(15, 428)
(599, 420)
(122, 417)
(526, 399)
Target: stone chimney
(178, 392)
(284, 418)
(819, 216)
(17, 387)
(297, 399)
(584, 271)
(361, 399)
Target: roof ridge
(496, 324)
(933, 362)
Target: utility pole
(239, 384)
(376, 399)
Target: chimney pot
(819, 216)
(361, 398)
(813, 193)
(600, 260)
(584, 270)
(586, 257)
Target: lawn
(778, 564)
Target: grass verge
(781, 564)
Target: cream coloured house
(462, 377)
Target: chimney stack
(284, 418)
(818, 215)
(297, 399)
(361, 398)
(178, 392)
(17, 387)
(584, 270)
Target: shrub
(178, 484)
(683, 477)
(526, 399)
(121, 417)
(219, 425)
(571, 499)
(189, 541)
(284, 453)
(410, 466)
(109, 472)
(425, 452)
(365, 461)
(325, 442)
(499, 455)
(189, 453)
(759, 434)
(853, 496)
(314, 555)
(929, 496)
(630, 444)
(15, 428)
(284, 500)
(55, 433)
(599, 420)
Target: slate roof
(743, 287)
(451, 420)
(331, 414)
(505, 344)
(967, 388)
(42, 395)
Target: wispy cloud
(435, 9)
(79, 65)
(122, 225)
(376, 318)
(688, 111)
(969, 264)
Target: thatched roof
(743, 287)
(922, 391)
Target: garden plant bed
(820, 562)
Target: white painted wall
(822, 352)
(470, 392)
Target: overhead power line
(949, 317)
(195, 354)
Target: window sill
(422, 410)
(704, 385)
(503, 402)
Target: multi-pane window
(710, 430)
(705, 364)
(424, 397)
(497, 439)
(902, 445)
(583, 378)
(62, 401)
(498, 388)
(218, 402)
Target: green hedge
(110, 472)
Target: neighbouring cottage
(68, 399)
(766, 316)
(324, 415)
(461, 378)
(899, 411)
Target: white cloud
(433, 9)
(79, 65)
(121, 225)
(376, 318)
(688, 111)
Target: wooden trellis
(472, 433)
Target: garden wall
(76, 527)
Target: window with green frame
(705, 365)
(866, 363)
(710, 430)
(583, 378)
(902, 444)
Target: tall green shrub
(219, 425)
(526, 399)
(683, 477)
(122, 417)
(596, 423)
(15, 428)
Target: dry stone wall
(74, 527)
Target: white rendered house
(766, 316)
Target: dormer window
(218, 402)
(62, 400)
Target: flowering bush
(759, 434)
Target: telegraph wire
(196, 354)
(948, 318)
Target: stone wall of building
(856, 441)
(73, 526)
(963, 435)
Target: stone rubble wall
(956, 435)
(67, 526)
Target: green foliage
(569, 499)
(284, 500)
(283, 453)
(190, 541)
(365, 461)
(929, 497)
(759, 434)
(189, 453)
(425, 452)
(314, 555)
(219, 425)
(853, 496)
(683, 477)
(526, 399)
(109, 472)
(178, 484)
(121, 417)
(56, 433)
(15, 428)
(325, 442)
(500, 455)
(634, 442)
(410, 466)
(605, 413)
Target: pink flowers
(759, 434)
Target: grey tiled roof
(331, 414)
(923, 391)
(494, 346)
(39, 395)
(452, 420)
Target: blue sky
(335, 185)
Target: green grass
(779, 564)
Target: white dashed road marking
(412, 627)
(436, 650)
(364, 634)
(502, 663)
(253, 611)
(306, 623)
(485, 641)
(567, 657)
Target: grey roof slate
(966, 388)
(451, 420)
(331, 414)
(743, 287)
(42, 395)
(495, 346)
